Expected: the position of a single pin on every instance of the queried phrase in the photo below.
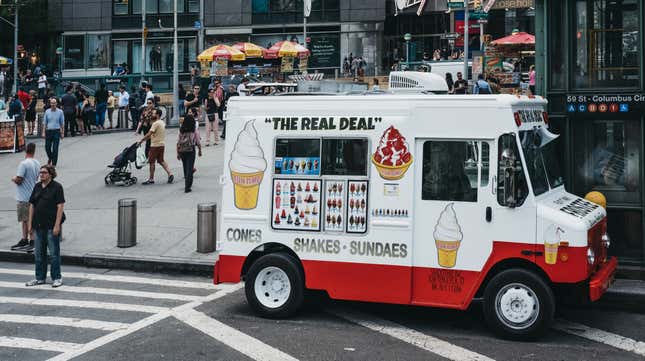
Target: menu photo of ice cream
(447, 236)
(297, 165)
(334, 205)
(357, 206)
(296, 204)
(392, 157)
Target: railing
(161, 82)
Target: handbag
(142, 158)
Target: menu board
(297, 165)
(335, 201)
(7, 136)
(296, 204)
(357, 203)
(20, 137)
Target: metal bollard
(127, 223)
(206, 227)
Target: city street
(102, 314)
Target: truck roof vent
(417, 82)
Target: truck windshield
(540, 152)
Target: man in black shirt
(101, 98)
(46, 215)
(461, 85)
(69, 104)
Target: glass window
(510, 173)
(283, 5)
(260, 6)
(136, 57)
(193, 6)
(344, 157)
(151, 6)
(74, 52)
(120, 49)
(449, 171)
(607, 43)
(297, 147)
(98, 51)
(167, 6)
(556, 28)
(485, 164)
(120, 7)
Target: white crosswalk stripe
(62, 321)
(83, 304)
(608, 338)
(104, 291)
(122, 279)
(34, 344)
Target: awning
(221, 51)
(286, 48)
(519, 38)
(250, 50)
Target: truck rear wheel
(275, 286)
(518, 304)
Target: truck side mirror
(507, 165)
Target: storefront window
(607, 43)
(120, 7)
(120, 52)
(74, 51)
(98, 51)
(557, 78)
(607, 159)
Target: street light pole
(407, 37)
(15, 50)
(175, 72)
(143, 38)
(466, 26)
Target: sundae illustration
(392, 157)
(552, 237)
(247, 166)
(447, 237)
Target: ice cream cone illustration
(447, 235)
(247, 166)
(392, 158)
(552, 238)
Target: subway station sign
(605, 103)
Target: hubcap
(272, 287)
(517, 306)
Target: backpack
(186, 142)
(484, 87)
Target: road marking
(124, 279)
(608, 338)
(105, 291)
(134, 327)
(83, 304)
(63, 321)
(34, 344)
(231, 337)
(413, 337)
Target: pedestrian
(149, 93)
(30, 113)
(134, 105)
(494, 84)
(182, 97)
(192, 100)
(111, 102)
(461, 85)
(3, 79)
(147, 118)
(100, 101)
(157, 136)
(53, 130)
(532, 79)
(232, 92)
(15, 108)
(375, 85)
(2, 103)
(124, 102)
(212, 105)
(24, 97)
(42, 87)
(241, 89)
(219, 93)
(25, 180)
(88, 114)
(46, 216)
(187, 141)
(450, 83)
(69, 105)
(481, 86)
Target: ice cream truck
(406, 198)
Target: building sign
(325, 51)
(589, 104)
(513, 4)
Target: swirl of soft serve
(247, 155)
(447, 228)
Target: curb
(137, 264)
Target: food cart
(517, 49)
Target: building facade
(590, 67)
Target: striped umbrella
(286, 48)
(221, 51)
(250, 50)
(5, 61)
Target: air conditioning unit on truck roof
(415, 82)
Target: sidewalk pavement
(167, 217)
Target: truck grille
(594, 237)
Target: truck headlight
(606, 240)
(591, 256)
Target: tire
(284, 296)
(107, 180)
(134, 180)
(518, 304)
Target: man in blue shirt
(25, 180)
(15, 107)
(53, 130)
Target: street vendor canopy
(517, 38)
(221, 52)
(250, 50)
(286, 48)
(5, 61)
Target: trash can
(206, 227)
(127, 223)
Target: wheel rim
(517, 306)
(272, 287)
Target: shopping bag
(142, 158)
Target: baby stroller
(122, 165)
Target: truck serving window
(298, 156)
(344, 156)
(450, 171)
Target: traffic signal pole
(466, 40)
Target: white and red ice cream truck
(418, 199)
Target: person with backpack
(212, 104)
(481, 86)
(186, 143)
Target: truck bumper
(602, 279)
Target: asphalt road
(102, 314)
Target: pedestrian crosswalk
(94, 311)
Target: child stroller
(122, 165)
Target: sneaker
(171, 178)
(149, 181)
(30, 247)
(187, 190)
(20, 245)
(57, 283)
(35, 283)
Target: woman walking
(111, 102)
(212, 104)
(186, 143)
(30, 114)
(145, 122)
(88, 113)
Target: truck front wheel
(275, 286)
(518, 304)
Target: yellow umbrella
(221, 51)
(250, 50)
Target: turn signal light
(518, 121)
